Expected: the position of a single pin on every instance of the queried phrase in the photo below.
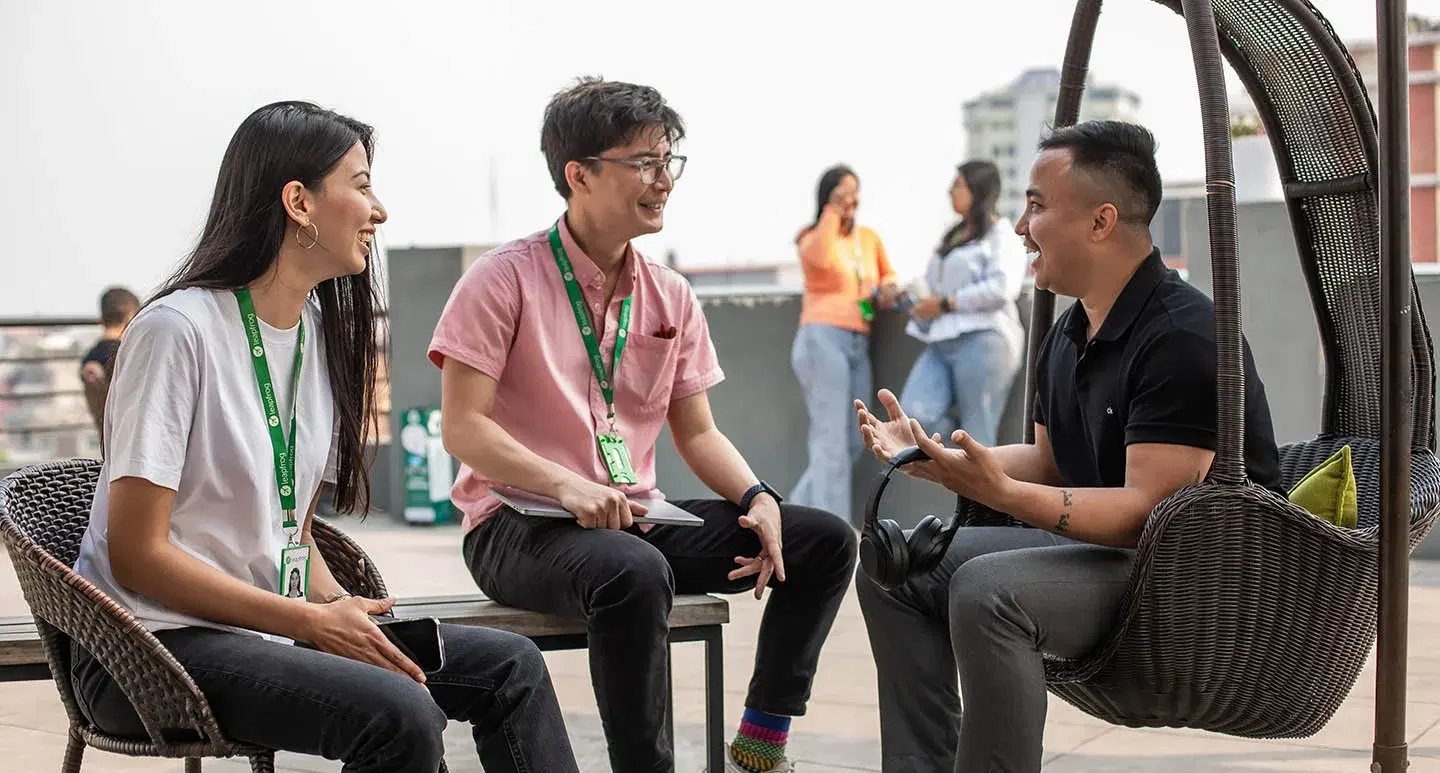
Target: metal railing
(43, 414)
(51, 419)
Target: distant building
(1424, 56)
(1004, 126)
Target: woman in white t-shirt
(243, 383)
(969, 320)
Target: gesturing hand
(345, 628)
(969, 469)
(884, 439)
(764, 520)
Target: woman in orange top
(847, 276)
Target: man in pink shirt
(564, 354)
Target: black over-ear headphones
(885, 555)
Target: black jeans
(291, 698)
(622, 583)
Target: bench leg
(670, 695)
(715, 699)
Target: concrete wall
(1275, 310)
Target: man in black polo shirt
(1124, 417)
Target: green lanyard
(284, 455)
(582, 318)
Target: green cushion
(1328, 491)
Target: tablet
(660, 511)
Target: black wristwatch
(756, 490)
(946, 306)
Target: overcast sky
(116, 113)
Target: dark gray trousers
(999, 598)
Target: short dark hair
(117, 305)
(1121, 157)
(595, 115)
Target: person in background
(117, 307)
(974, 342)
(206, 495)
(847, 276)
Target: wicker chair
(44, 510)
(1245, 614)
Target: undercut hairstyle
(595, 115)
(1118, 158)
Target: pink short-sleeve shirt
(509, 317)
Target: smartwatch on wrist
(756, 490)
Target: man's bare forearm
(1103, 516)
(1028, 463)
(480, 442)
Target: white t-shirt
(184, 413)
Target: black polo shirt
(1148, 376)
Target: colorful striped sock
(760, 744)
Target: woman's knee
(527, 666)
(405, 726)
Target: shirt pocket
(647, 373)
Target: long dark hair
(829, 181)
(983, 180)
(276, 144)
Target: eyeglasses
(649, 168)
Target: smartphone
(417, 639)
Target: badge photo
(295, 571)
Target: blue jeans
(291, 698)
(833, 366)
(971, 373)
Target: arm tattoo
(1066, 495)
(1064, 522)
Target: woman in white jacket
(969, 320)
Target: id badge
(867, 309)
(617, 459)
(295, 571)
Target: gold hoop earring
(314, 240)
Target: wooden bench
(692, 618)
